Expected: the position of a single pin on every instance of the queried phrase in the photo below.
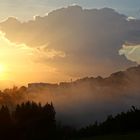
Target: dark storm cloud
(91, 39)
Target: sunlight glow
(2, 72)
(2, 68)
(19, 61)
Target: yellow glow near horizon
(2, 72)
(21, 64)
(2, 68)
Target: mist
(82, 102)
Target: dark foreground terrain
(134, 136)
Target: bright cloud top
(131, 52)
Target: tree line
(32, 121)
(123, 123)
(29, 121)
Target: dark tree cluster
(123, 123)
(32, 121)
(12, 96)
(29, 121)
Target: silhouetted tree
(5, 123)
(36, 121)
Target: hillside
(91, 98)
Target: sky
(26, 9)
(60, 40)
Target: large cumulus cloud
(91, 39)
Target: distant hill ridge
(129, 77)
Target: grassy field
(115, 137)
